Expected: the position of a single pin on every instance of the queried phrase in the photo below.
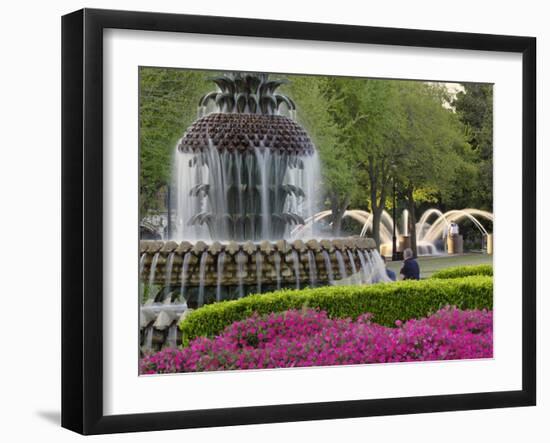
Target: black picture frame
(82, 220)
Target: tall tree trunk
(376, 218)
(338, 206)
(412, 220)
(378, 180)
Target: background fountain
(429, 235)
(246, 175)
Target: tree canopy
(168, 105)
(474, 107)
(371, 131)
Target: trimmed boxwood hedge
(463, 271)
(388, 302)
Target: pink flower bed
(310, 338)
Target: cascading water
(296, 262)
(257, 196)
(353, 268)
(328, 266)
(202, 272)
(365, 267)
(263, 159)
(341, 265)
(141, 267)
(188, 173)
(169, 267)
(312, 268)
(405, 222)
(148, 339)
(152, 276)
(378, 267)
(277, 263)
(259, 272)
(184, 274)
(241, 258)
(219, 277)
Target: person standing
(410, 269)
(453, 229)
(454, 239)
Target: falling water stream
(328, 266)
(152, 276)
(202, 274)
(148, 339)
(341, 265)
(405, 222)
(263, 158)
(259, 261)
(184, 274)
(296, 262)
(312, 268)
(379, 267)
(240, 272)
(355, 275)
(141, 267)
(219, 277)
(168, 275)
(277, 263)
(364, 267)
(254, 195)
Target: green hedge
(388, 302)
(463, 271)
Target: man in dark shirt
(410, 269)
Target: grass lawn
(428, 265)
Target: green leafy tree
(319, 102)
(431, 140)
(377, 135)
(168, 102)
(474, 106)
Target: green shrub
(388, 302)
(463, 271)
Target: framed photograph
(269, 221)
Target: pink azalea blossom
(309, 338)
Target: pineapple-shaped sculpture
(245, 162)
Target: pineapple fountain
(246, 175)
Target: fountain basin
(184, 275)
(264, 264)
